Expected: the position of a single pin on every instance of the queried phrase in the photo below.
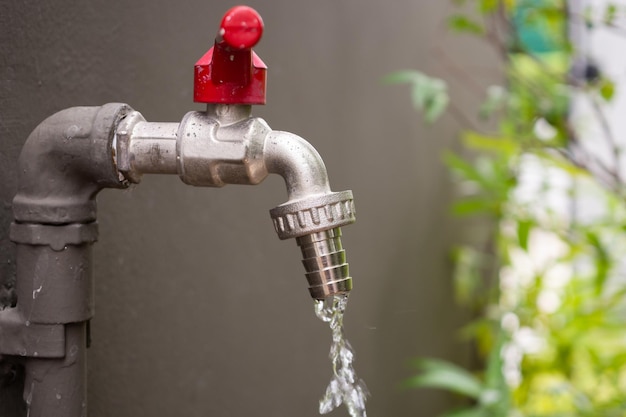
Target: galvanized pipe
(153, 148)
(64, 163)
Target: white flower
(544, 130)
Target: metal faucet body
(76, 153)
(225, 145)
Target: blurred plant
(548, 282)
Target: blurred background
(200, 309)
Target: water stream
(344, 387)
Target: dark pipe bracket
(20, 338)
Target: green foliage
(428, 94)
(606, 88)
(461, 23)
(547, 285)
(489, 393)
(610, 13)
(440, 374)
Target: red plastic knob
(230, 72)
(241, 27)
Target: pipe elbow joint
(65, 162)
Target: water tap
(74, 154)
(226, 145)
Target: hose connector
(316, 223)
(325, 263)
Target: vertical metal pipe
(58, 387)
(55, 288)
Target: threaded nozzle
(325, 263)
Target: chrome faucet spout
(313, 215)
(298, 162)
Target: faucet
(77, 152)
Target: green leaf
(602, 261)
(523, 232)
(400, 77)
(463, 24)
(480, 142)
(469, 206)
(489, 175)
(462, 167)
(428, 94)
(610, 13)
(606, 89)
(488, 6)
(493, 373)
(468, 280)
(435, 106)
(445, 375)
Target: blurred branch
(615, 183)
(608, 136)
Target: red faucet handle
(230, 72)
(241, 27)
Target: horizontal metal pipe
(153, 148)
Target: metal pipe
(153, 149)
(58, 387)
(64, 163)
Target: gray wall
(201, 310)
